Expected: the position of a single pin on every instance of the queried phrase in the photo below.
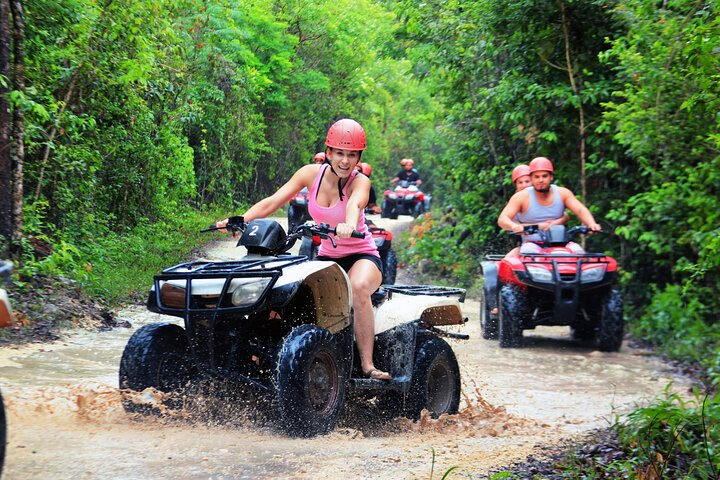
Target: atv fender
(490, 282)
(430, 310)
(330, 287)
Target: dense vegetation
(129, 120)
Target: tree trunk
(18, 127)
(5, 164)
(581, 110)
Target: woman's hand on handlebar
(344, 230)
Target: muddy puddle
(65, 417)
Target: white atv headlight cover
(249, 291)
(594, 274)
(539, 274)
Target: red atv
(558, 285)
(406, 199)
(309, 247)
(297, 211)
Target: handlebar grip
(356, 234)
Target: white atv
(283, 326)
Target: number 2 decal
(253, 232)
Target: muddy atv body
(281, 326)
(558, 284)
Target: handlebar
(237, 224)
(322, 230)
(531, 229)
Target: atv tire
(510, 322)
(390, 263)
(157, 356)
(610, 332)
(488, 322)
(435, 382)
(385, 212)
(418, 210)
(310, 383)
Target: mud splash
(66, 416)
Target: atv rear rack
(429, 290)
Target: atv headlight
(392, 196)
(593, 274)
(249, 291)
(409, 196)
(539, 274)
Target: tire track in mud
(66, 419)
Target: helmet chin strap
(340, 185)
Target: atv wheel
(488, 322)
(417, 210)
(3, 433)
(390, 268)
(610, 333)
(310, 382)
(435, 382)
(158, 356)
(583, 333)
(307, 248)
(509, 309)
(385, 212)
(292, 218)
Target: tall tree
(5, 129)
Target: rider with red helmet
(319, 158)
(408, 172)
(338, 196)
(544, 204)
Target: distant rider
(319, 158)
(408, 173)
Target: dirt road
(66, 420)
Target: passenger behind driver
(544, 205)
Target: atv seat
(378, 297)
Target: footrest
(401, 384)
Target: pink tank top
(336, 214)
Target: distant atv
(556, 286)
(282, 326)
(310, 246)
(297, 211)
(405, 199)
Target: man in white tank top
(544, 204)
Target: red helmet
(366, 169)
(541, 164)
(319, 157)
(346, 134)
(520, 171)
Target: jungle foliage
(623, 97)
(133, 123)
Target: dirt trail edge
(66, 420)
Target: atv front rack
(427, 290)
(185, 300)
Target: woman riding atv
(338, 196)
